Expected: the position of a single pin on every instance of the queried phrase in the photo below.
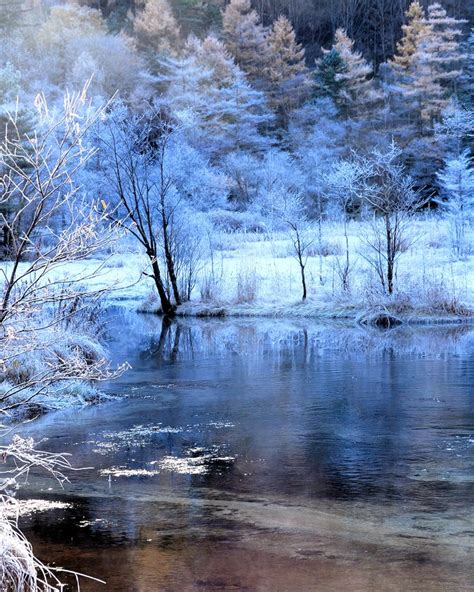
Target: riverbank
(256, 275)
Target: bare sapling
(390, 194)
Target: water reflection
(255, 454)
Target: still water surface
(269, 456)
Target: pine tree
(457, 188)
(466, 80)
(288, 74)
(428, 63)
(210, 95)
(437, 63)
(196, 16)
(358, 93)
(246, 39)
(413, 31)
(155, 27)
(328, 77)
(213, 54)
(403, 68)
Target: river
(264, 455)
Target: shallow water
(269, 456)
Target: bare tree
(390, 193)
(154, 212)
(293, 215)
(343, 188)
(51, 227)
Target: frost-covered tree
(16, 122)
(112, 65)
(49, 350)
(11, 105)
(73, 46)
(318, 139)
(278, 176)
(427, 63)
(357, 93)
(288, 73)
(63, 26)
(389, 191)
(413, 32)
(246, 39)
(301, 235)
(456, 182)
(155, 27)
(328, 75)
(342, 184)
(466, 80)
(143, 163)
(437, 63)
(211, 97)
(455, 131)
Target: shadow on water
(270, 455)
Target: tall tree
(427, 64)
(438, 60)
(288, 73)
(246, 39)
(155, 26)
(413, 32)
(466, 80)
(358, 93)
(209, 93)
(456, 182)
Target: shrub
(246, 287)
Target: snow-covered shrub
(17, 562)
(210, 288)
(246, 286)
(234, 221)
(327, 248)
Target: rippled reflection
(268, 455)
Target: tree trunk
(303, 281)
(166, 306)
(169, 256)
(390, 254)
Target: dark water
(269, 456)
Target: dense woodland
(195, 109)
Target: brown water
(269, 456)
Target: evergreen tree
(211, 97)
(196, 16)
(457, 188)
(246, 39)
(328, 76)
(466, 80)
(288, 74)
(413, 32)
(155, 27)
(427, 64)
(357, 93)
(437, 63)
